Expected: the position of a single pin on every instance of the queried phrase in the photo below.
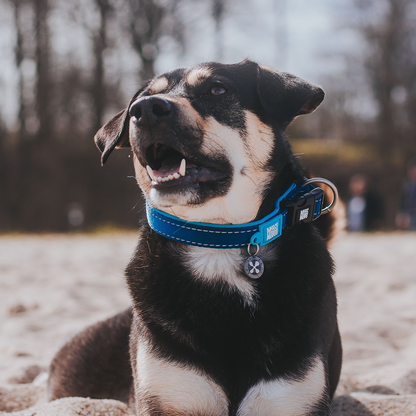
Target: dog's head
(208, 141)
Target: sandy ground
(53, 286)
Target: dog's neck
(221, 210)
(306, 205)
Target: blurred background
(66, 67)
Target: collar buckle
(306, 208)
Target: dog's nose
(150, 110)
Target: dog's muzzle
(169, 148)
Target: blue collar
(300, 203)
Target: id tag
(254, 267)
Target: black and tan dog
(206, 336)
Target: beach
(53, 286)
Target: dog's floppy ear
(284, 96)
(115, 133)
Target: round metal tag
(254, 267)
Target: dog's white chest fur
(214, 265)
(183, 390)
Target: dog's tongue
(172, 165)
(172, 168)
(169, 166)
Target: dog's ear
(115, 133)
(284, 96)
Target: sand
(53, 286)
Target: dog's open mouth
(167, 166)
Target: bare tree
(14, 154)
(148, 22)
(44, 79)
(218, 13)
(19, 56)
(100, 44)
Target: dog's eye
(217, 90)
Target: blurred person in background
(365, 210)
(406, 218)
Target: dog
(224, 321)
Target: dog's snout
(150, 110)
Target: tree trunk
(44, 83)
(99, 86)
(18, 59)
(386, 40)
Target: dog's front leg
(307, 395)
(164, 387)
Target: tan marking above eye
(159, 85)
(198, 75)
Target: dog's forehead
(166, 82)
(184, 80)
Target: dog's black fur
(200, 325)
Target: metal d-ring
(333, 189)
(257, 250)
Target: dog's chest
(213, 266)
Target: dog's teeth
(182, 168)
(159, 179)
(150, 173)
